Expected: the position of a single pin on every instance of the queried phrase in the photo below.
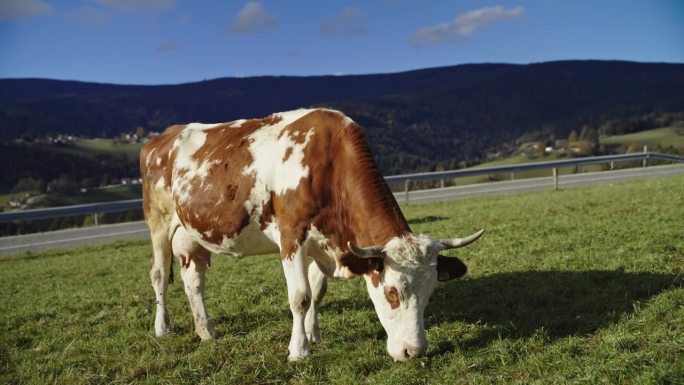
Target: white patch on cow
(411, 250)
(161, 183)
(159, 159)
(249, 241)
(186, 167)
(238, 123)
(268, 149)
(272, 232)
(149, 156)
(410, 268)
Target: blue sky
(174, 41)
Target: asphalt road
(138, 230)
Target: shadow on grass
(427, 219)
(562, 303)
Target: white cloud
(23, 9)
(464, 25)
(350, 22)
(253, 17)
(138, 5)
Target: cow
(303, 184)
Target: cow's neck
(371, 214)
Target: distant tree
(29, 184)
(573, 137)
(140, 131)
(584, 133)
(89, 182)
(62, 185)
(104, 181)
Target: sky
(177, 41)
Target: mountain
(414, 120)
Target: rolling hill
(415, 120)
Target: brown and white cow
(303, 183)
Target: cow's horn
(460, 242)
(366, 252)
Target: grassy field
(580, 286)
(665, 137)
(109, 194)
(93, 147)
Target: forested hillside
(416, 120)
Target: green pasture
(97, 195)
(663, 137)
(580, 286)
(91, 148)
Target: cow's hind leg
(193, 279)
(299, 296)
(159, 275)
(319, 285)
(194, 262)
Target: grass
(582, 286)
(90, 148)
(663, 137)
(109, 194)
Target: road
(536, 184)
(138, 230)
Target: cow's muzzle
(408, 351)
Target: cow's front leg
(319, 285)
(193, 280)
(299, 295)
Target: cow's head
(402, 275)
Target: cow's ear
(449, 268)
(360, 266)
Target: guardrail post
(612, 166)
(644, 162)
(95, 219)
(441, 183)
(406, 190)
(512, 175)
(555, 179)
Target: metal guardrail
(644, 156)
(132, 204)
(65, 211)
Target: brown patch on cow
(392, 296)
(267, 213)
(288, 153)
(230, 192)
(360, 266)
(375, 278)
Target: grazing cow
(302, 183)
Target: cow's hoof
(314, 336)
(299, 355)
(163, 332)
(206, 334)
